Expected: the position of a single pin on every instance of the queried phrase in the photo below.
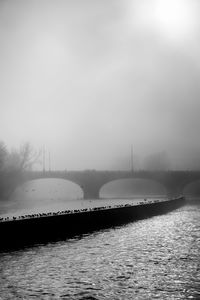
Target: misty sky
(89, 78)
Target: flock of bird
(64, 212)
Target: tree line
(13, 163)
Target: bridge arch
(191, 188)
(53, 187)
(132, 187)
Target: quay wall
(29, 231)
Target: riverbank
(44, 228)
(21, 208)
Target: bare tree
(24, 158)
(12, 166)
(28, 156)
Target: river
(155, 258)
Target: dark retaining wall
(22, 232)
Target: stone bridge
(91, 181)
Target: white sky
(89, 78)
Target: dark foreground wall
(23, 232)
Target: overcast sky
(89, 78)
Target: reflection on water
(156, 258)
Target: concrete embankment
(25, 231)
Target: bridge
(92, 181)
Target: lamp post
(43, 159)
(49, 162)
(131, 158)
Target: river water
(155, 258)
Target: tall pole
(49, 162)
(131, 158)
(43, 159)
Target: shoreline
(16, 209)
(43, 229)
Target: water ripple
(157, 258)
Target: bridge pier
(90, 194)
(91, 188)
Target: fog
(88, 79)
